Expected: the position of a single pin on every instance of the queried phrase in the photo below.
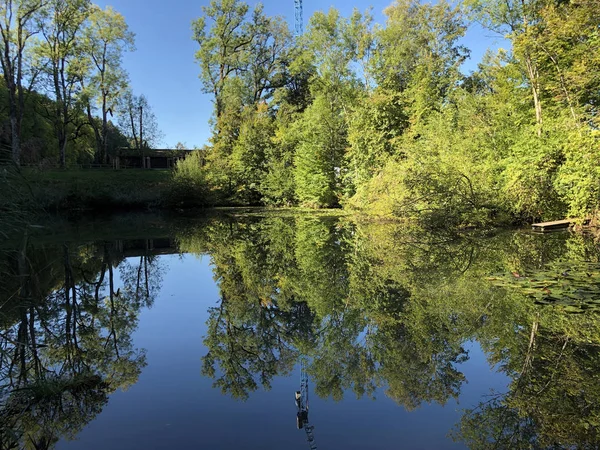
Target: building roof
(156, 152)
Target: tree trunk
(15, 122)
(131, 118)
(96, 133)
(64, 139)
(535, 90)
(532, 74)
(15, 139)
(13, 25)
(58, 129)
(102, 149)
(63, 152)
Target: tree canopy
(382, 118)
(64, 86)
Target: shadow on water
(364, 306)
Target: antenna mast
(302, 405)
(299, 17)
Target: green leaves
(319, 155)
(381, 119)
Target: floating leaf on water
(574, 285)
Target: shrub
(189, 183)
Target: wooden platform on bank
(545, 227)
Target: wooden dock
(545, 227)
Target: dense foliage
(62, 83)
(382, 119)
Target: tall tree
(333, 45)
(418, 54)
(17, 27)
(137, 121)
(223, 45)
(66, 65)
(563, 41)
(106, 39)
(267, 56)
(243, 60)
(517, 20)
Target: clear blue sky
(163, 66)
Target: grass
(98, 189)
(108, 190)
(99, 175)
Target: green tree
(318, 160)
(517, 20)
(418, 55)
(105, 40)
(137, 121)
(332, 44)
(250, 150)
(404, 165)
(242, 58)
(223, 46)
(67, 67)
(17, 26)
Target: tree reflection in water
(65, 343)
(369, 305)
(383, 305)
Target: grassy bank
(27, 193)
(98, 189)
(107, 190)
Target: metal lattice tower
(299, 17)
(302, 405)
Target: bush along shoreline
(31, 193)
(383, 120)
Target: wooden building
(127, 158)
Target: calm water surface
(149, 333)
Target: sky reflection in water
(380, 311)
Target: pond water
(283, 331)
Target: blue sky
(163, 66)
